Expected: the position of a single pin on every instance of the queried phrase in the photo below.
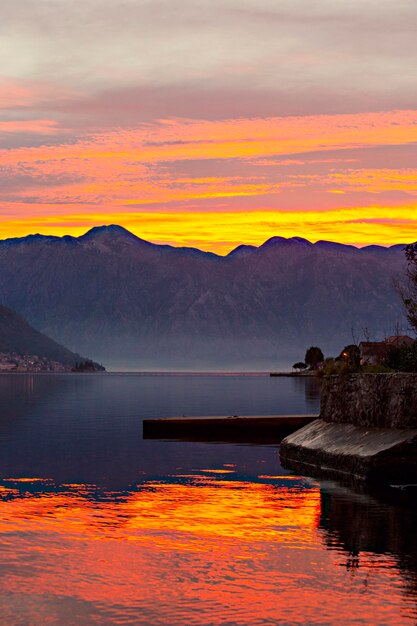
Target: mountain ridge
(149, 306)
(120, 231)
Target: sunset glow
(216, 184)
(201, 203)
(212, 150)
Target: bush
(403, 359)
(336, 366)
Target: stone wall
(370, 400)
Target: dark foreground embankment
(367, 428)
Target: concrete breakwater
(367, 429)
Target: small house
(373, 352)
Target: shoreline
(32, 373)
(167, 373)
(293, 374)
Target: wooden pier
(230, 428)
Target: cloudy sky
(210, 122)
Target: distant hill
(16, 335)
(129, 302)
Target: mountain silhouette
(16, 335)
(128, 302)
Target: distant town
(14, 362)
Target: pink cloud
(35, 127)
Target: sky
(210, 123)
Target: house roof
(399, 340)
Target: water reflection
(204, 548)
(369, 526)
(88, 429)
(100, 527)
(310, 387)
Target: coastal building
(372, 352)
(375, 352)
(398, 341)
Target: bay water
(99, 526)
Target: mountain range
(134, 304)
(17, 336)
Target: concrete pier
(232, 428)
(367, 429)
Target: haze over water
(98, 526)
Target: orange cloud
(140, 177)
(377, 180)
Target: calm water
(98, 526)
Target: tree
(408, 292)
(299, 366)
(351, 355)
(313, 357)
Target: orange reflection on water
(206, 508)
(205, 552)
